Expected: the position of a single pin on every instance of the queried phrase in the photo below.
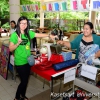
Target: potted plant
(6, 25)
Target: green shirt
(23, 50)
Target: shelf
(86, 86)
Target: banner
(23, 8)
(30, 8)
(83, 5)
(79, 5)
(55, 6)
(63, 6)
(95, 5)
(49, 7)
(44, 8)
(75, 5)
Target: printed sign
(69, 75)
(4, 58)
(89, 71)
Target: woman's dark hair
(14, 23)
(26, 31)
(91, 26)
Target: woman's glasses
(23, 23)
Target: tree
(29, 15)
(4, 9)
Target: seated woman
(13, 26)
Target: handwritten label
(89, 71)
(69, 75)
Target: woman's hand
(53, 37)
(13, 46)
(19, 40)
(97, 54)
(60, 42)
(64, 43)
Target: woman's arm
(45, 35)
(41, 35)
(13, 46)
(97, 55)
(65, 43)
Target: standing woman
(20, 44)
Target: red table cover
(46, 73)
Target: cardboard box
(67, 55)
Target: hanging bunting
(63, 6)
(84, 2)
(24, 8)
(75, 5)
(31, 7)
(83, 5)
(36, 7)
(95, 5)
(44, 8)
(80, 5)
(28, 8)
(55, 6)
(49, 6)
(21, 8)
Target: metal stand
(86, 86)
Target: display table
(50, 74)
